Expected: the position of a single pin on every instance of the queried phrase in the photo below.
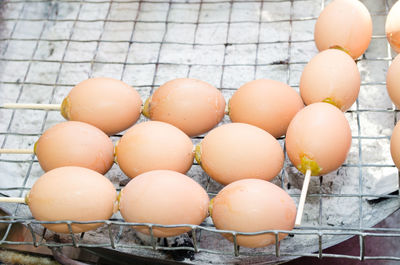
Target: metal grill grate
(48, 46)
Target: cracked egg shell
(72, 193)
(106, 103)
(74, 143)
(331, 76)
(236, 151)
(318, 138)
(192, 105)
(163, 197)
(253, 205)
(267, 104)
(392, 27)
(346, 24)
(154, 145)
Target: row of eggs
(227, 153)
(158, 145)
(221, 154)
(160, 197)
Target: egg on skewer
(72, 143)
(344, 24)
(73, 194)
(317, 142)
(192, 105)
(393, 81)
(237, 150)
(392, 27)
(154, 145)
(331, 76)
(106, 103)
(318, 138)
(267, 104)
(253, 205)
(163, 197)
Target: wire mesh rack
(49, 46)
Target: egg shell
(395, 145)
(320, 132)
(74, 143)
(253, 205)
(154, 145)
(192, 105)
(331, 74)
(163, 197)
(72, 193)
(344, 23)
(267, 104)
(106, 103)
(393, 81)
(392, 27)
(237, 151)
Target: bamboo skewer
(13, 199)
(17, 151)
(58, 107)
(226, 111)
(303, 198)
(31, 106)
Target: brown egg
(192, 105)
(392, 27)
(318, 138)
(237, 151)
(75, 143)
(267, 104)
(331, 76)
(346, 24)
(106, 103)
(72, 193)
(253, 205)
(163, 197)
(154, 145)
(395, 145)
(393, 81)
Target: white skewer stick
(31, 106)
(12, 199)
(16, 151)
(226, 109)
(303, 197)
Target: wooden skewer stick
(303, 198)
(226, 111)
(31, 106)
(17, 151)
(12, 199)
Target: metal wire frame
(153, 1)
(361, 231)
(236, 250)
